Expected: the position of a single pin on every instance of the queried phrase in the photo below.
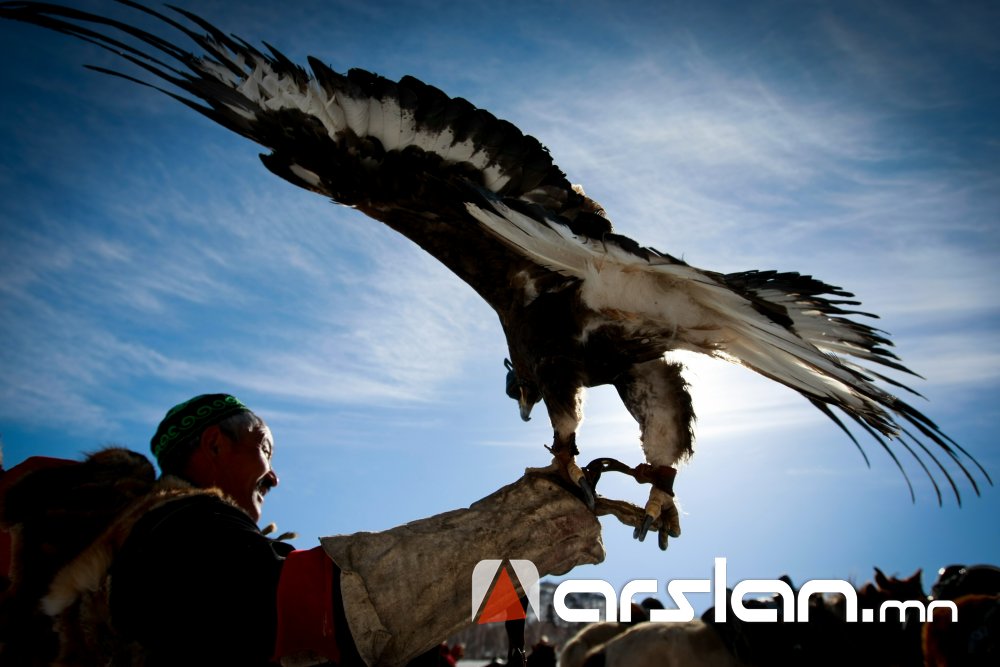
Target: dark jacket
(195, 583)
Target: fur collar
(86, 573)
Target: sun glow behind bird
(148, 257)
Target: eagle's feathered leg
(563, 397)
(656, 395)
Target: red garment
(305, 606)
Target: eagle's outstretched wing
(580, 304)
(402, 151)
(788, 327)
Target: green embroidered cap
(191, 417)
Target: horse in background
(575, 652)
(974, 640)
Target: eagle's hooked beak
(525, 404)
(518, 391)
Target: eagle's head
(525, 392)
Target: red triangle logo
(503, 603)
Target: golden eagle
(580, 305)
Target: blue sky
(146, 256)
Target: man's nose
(272, 478)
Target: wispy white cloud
(225, 283)
(736, 172)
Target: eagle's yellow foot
(660, 505)
(576, 476)
(570, 471)
(564, 465)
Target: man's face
(245, 473)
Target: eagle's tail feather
(848, 385)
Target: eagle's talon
(640, 531)
(660, 506)
(670, 518)
(578, 477)
(589, 497)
